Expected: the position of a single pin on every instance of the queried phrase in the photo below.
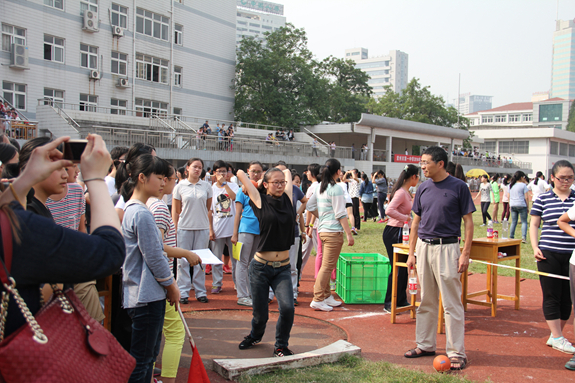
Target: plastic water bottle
(505, 229)
(412, 282)
(405, 233)
(490, 229)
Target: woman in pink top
(399, 212)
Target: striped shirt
(164, 222)
(549, 207)
(68, 211)
(330, 206)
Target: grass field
(370, 241)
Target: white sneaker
(563, 345)
(550, 340)
(332, 302)
(320, 306)
(247, 301)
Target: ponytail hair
(145, 164)
(409, 171)
(122, 172)
(537, 175)
(516, 177)
(332, 166)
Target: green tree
(278, 82)
(571, 120)
(416, 103)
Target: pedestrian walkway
(508, 348)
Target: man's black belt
(441, 241)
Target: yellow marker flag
(236, 250)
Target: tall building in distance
(563, 67)
(254, 18)
(469, 103)
(383, 71)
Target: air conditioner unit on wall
(122, 83)
(94, 75)
(91, 23)
(19, 56)
(118, 31)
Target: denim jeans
(515, 211)
(147, 323)
(262, 277)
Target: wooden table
(485, 249)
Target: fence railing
(18, 129)
(491, 163)
(178, 140)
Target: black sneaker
(248, 342)
(184, 301)
(157, 371)
(202, 299)
(283, 351)
(295, 302)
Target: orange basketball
(441, 363)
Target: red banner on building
(407, 159)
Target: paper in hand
(207, 257)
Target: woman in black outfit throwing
(272, 205)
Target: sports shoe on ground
(248, 342)
(284, 351)
(157, 381)
(550, 340)
(332, 285)
(203, 299)
(295, 302)
(216, 289)
(227, 269)
(157, 371)
(332, 302)
(523, 240)
(208, 269)
(247, 301)
(563, 345)
(571, 364)
(320, 306)
(482, 225)
(184, 301)
(387, 308)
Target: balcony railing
(490, 163)
(23, 130)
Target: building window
(15, 94)
(88, 102)
(178, 76)
(514, 147)
(12, 35)
(489, 146)
(549, 113)
(119, 63)
(147, 108)
(528, 117)
(89, 56)
(53, 49)
(55, 3)
(53, 97)
(554, 147)
(486, 119)
(563, 149)
(178, 111)
(118, 106)
(152, 24)
(500, 118)
(514, 118)
(119, 16)
(92, 5)
(571, 150)
(151, 68)
(178, 34)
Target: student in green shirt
(495, 196)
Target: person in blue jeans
(147, 279)
(518, 203)
(270, 267)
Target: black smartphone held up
(73, 149)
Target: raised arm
(289, 185)
(253, 193)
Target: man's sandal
(462, 362)
(414, 354)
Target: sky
(501, 48)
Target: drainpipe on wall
(134, 57)
(171, 79)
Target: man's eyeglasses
(421, 163)
(278, 183)
(565, 179)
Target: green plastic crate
(362, 278)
